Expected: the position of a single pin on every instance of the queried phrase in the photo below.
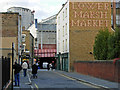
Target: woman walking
(34, 70)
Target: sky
(43, 8)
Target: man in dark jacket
(17, 68)
(34, 70)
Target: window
(23, 47)
(58, 35)
(66, 28)
(23, 37)
(63, 15)
(66, 44)
(66, 12)
(58, 20)
(63, 45)
(117, 17)
(63, 31)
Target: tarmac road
(56, 81)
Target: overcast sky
(43, 8)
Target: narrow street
(61, 80)
(53, 79)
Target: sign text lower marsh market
(90, 14)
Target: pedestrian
(17, 68)
(25, 67)
(37, 64)
(48, 67)
(34, 70)
(53, 65)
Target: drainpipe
(114, 14)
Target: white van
(45, 64)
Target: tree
(114, 45)
(101, 45)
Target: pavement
(92, 80)
(25, 82)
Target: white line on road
(29, 79)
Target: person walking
(48, 66)
(25, 67)
(53, 65)
(17, 68)
(34, 70)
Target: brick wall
(48, 46)
(100, 69)
(10, 24)
(82, 29)
(27, 39)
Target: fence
(5, 71)
(0, 74)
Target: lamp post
(12, 62)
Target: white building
(33, 31)
(63, 33)
(63, 30)
(26, 14)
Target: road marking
(29, 79)
(31, 87)
(64, 76)
(36, 86)
(83, 82)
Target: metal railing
(5, 71)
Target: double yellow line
(75, 80)
(64, 76)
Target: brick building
(27, 46)
(11, 32)
(26, 14)
(78, 22)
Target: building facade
(11, 32)
(77, 25)
(117, 14)
(63, 38)
(47, 31)
(26, 14)
(46, 40)
(27, 46)
(33, 31)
